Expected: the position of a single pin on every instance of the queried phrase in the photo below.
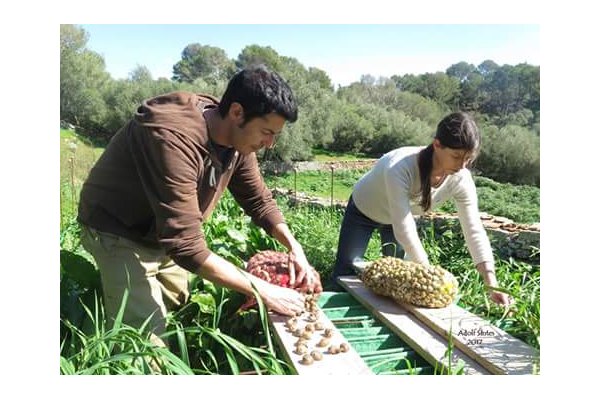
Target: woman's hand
(488, 274)
(500, 298)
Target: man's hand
(302, 275)
(282, 300)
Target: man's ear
(236, 113)
(437, 144)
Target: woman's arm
(478, 243)
(397, 186)
(487, 271)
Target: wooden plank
(496, 350)
(349, 363)
(430, 345)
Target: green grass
(318, 183)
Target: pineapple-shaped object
(410, 282)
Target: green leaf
(205, 301)
(77, 268)
(237, 235)
(209, 287)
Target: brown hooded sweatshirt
(160, 178)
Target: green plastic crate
(382, 350)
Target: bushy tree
(440, 87)
(122, 97)
(206, 62)
(396, 130)
(510, 154)
(320, 77)
(255, 54)
(351, 129)
(388, 96)
(83, 79)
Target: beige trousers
(155, 283)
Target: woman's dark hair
(456, 131)
(260, 92)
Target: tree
(440, 87)
(321, 77)
(510, 154)
(255, 54)
(471, 96)
(407, 82)
(460, 71)
(487, 67)
(529, 85)
(140, 74)
(83, 79)
(206, 62)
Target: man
(143, 204)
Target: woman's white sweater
(390, 194)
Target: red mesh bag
(271, 266)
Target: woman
(413, 180)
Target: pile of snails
(305, 333)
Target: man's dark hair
(260, 92)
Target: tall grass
(116, 350)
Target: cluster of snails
(305, 334)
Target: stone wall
(509, 239)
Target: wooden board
(430, 345)
(349, 363)
(496, 350)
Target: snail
(306, 359)
(323, 342)
(328, 332)
(309, 328)
(298, 332)
(306, 335)
(316, 355)
(333, 349)
(344, 347)
(301, 349)
(319, 326)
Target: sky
(345, 52)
